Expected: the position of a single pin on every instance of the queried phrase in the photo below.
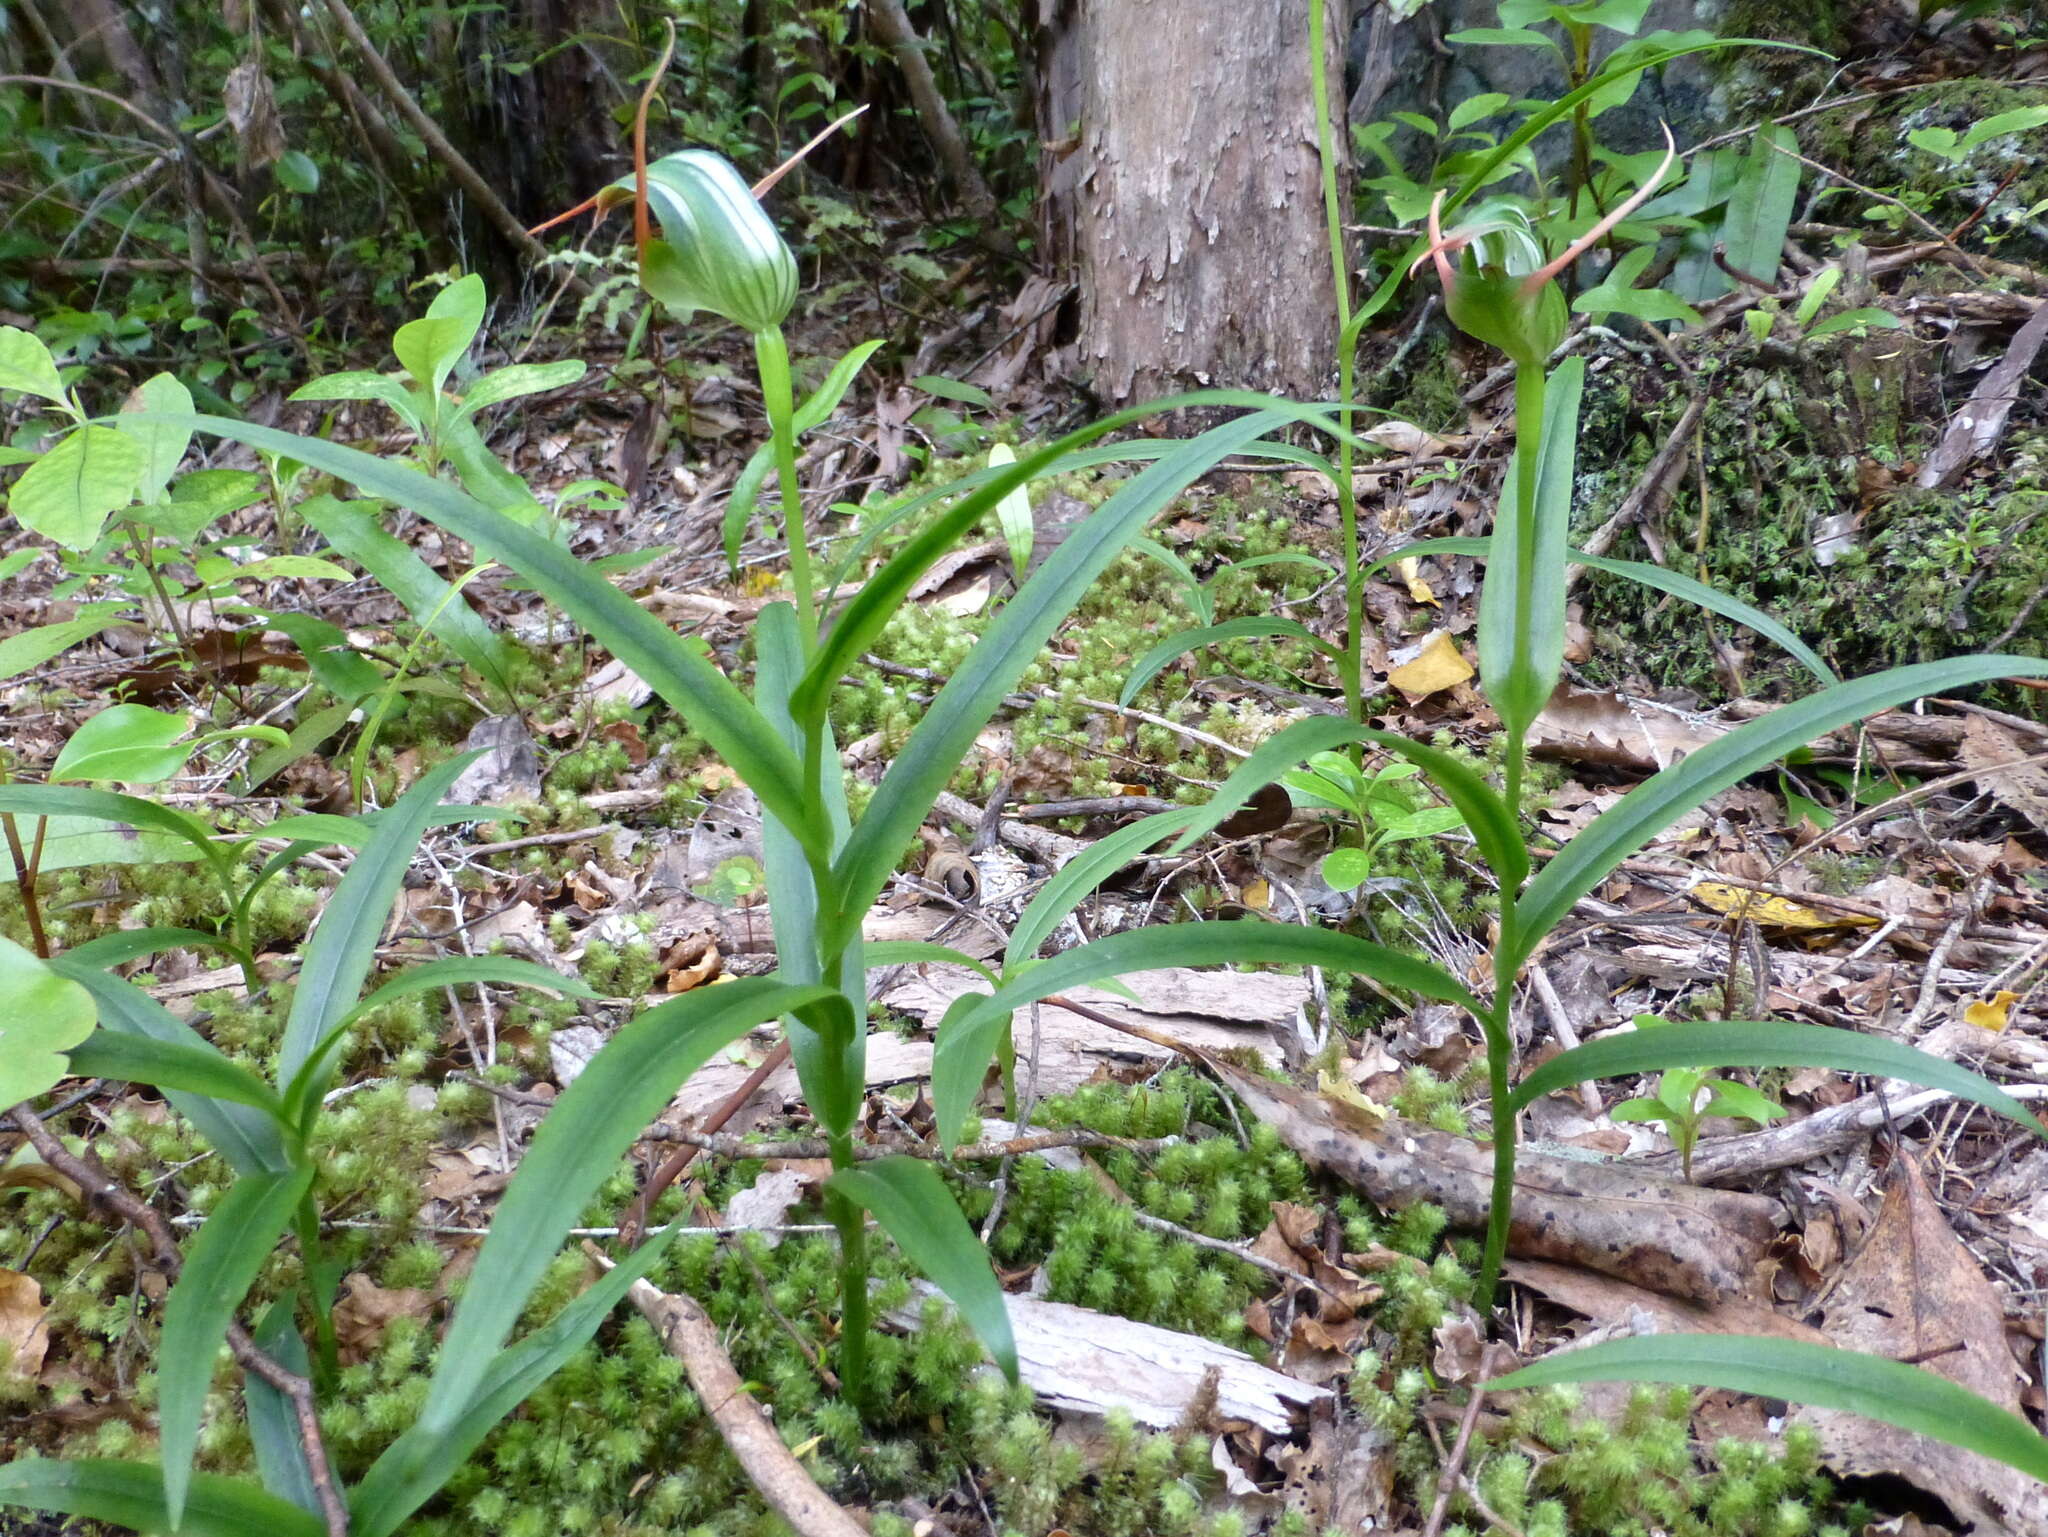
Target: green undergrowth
(617, 1443)
(1920, 574)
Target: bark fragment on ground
(1084, 1362)
(1674, 1238)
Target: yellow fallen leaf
(1773, 912)
(1345, 1092)
(1436, 665)
(1257, 895)
(1994, 1015)
(1418, 590)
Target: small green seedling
(1679, 1108)
(1382, 804)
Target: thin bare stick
(102, 1188)
(1454, 1464)
(688, 1334)
(634, 1221)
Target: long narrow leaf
(220, 1267)
(452, 971)
(1679, 586)
(883, 593)
(274, 1434)
(410, 580)
(922, 952)
(967, 1035)
(699, 692)
(1149, 665)
(415, 1466)
(1766, 1043)
(337, 960)
(131, 1494)
(1661, 800)
(832, 1069)
(1522, 605)
(249, 1139)
(1872, 1386)
(124, 945)
(471, 970)
(579, 1143)
(171, 1065)
(916, 1209)
(1010, 645)
(1074, 880)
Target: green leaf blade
(916, 1209)
(220, 1267)
(1795, 1370)
(580, 1142)
(1659, 801)
(131, 1494)
(1766, 1043)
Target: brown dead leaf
(366, 1310)
(1611, 730)
(764, 1205)
(24, 1332)
(1998, 754)
(1913, 1292)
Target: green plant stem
(771, 355)
(312, 1254)
(847, 1216)
(1351, 665)
(1499, 1049)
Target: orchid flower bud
(719, 250)
(1503, 292)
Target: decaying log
(1675, 1238)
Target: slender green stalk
(771, 355)
(1351, 665)
(847, 1216)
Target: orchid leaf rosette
(719, 250)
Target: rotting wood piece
(1679, 1239)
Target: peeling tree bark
(1183, 193)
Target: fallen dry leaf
(1913, 1292)
(366, 1310)
(2000, 757)
(1993, 1013)
(1429, 667)
(1774, 912)
(24, 1333)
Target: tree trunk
(1183, 193)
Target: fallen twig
(688, 1334)
(92, 1177)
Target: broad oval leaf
(162, 445)
(131, 1494)
(968, 1034)
(1766, 1043)
(128, 742)
(43, 1014)
(1802, 1373)
(581, 1141)
(431, 346)
(220, 1267)
(1661, 800)
(517, 379)
(26, 365)
(916, 1209)
(67, 494)
(32, 647)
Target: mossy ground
(615, 1443)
